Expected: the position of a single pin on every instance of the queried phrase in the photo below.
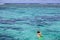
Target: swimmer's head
(38, 31)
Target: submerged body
(40, 38)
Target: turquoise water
(23, 23)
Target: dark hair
(38, 31)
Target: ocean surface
(22, 23)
